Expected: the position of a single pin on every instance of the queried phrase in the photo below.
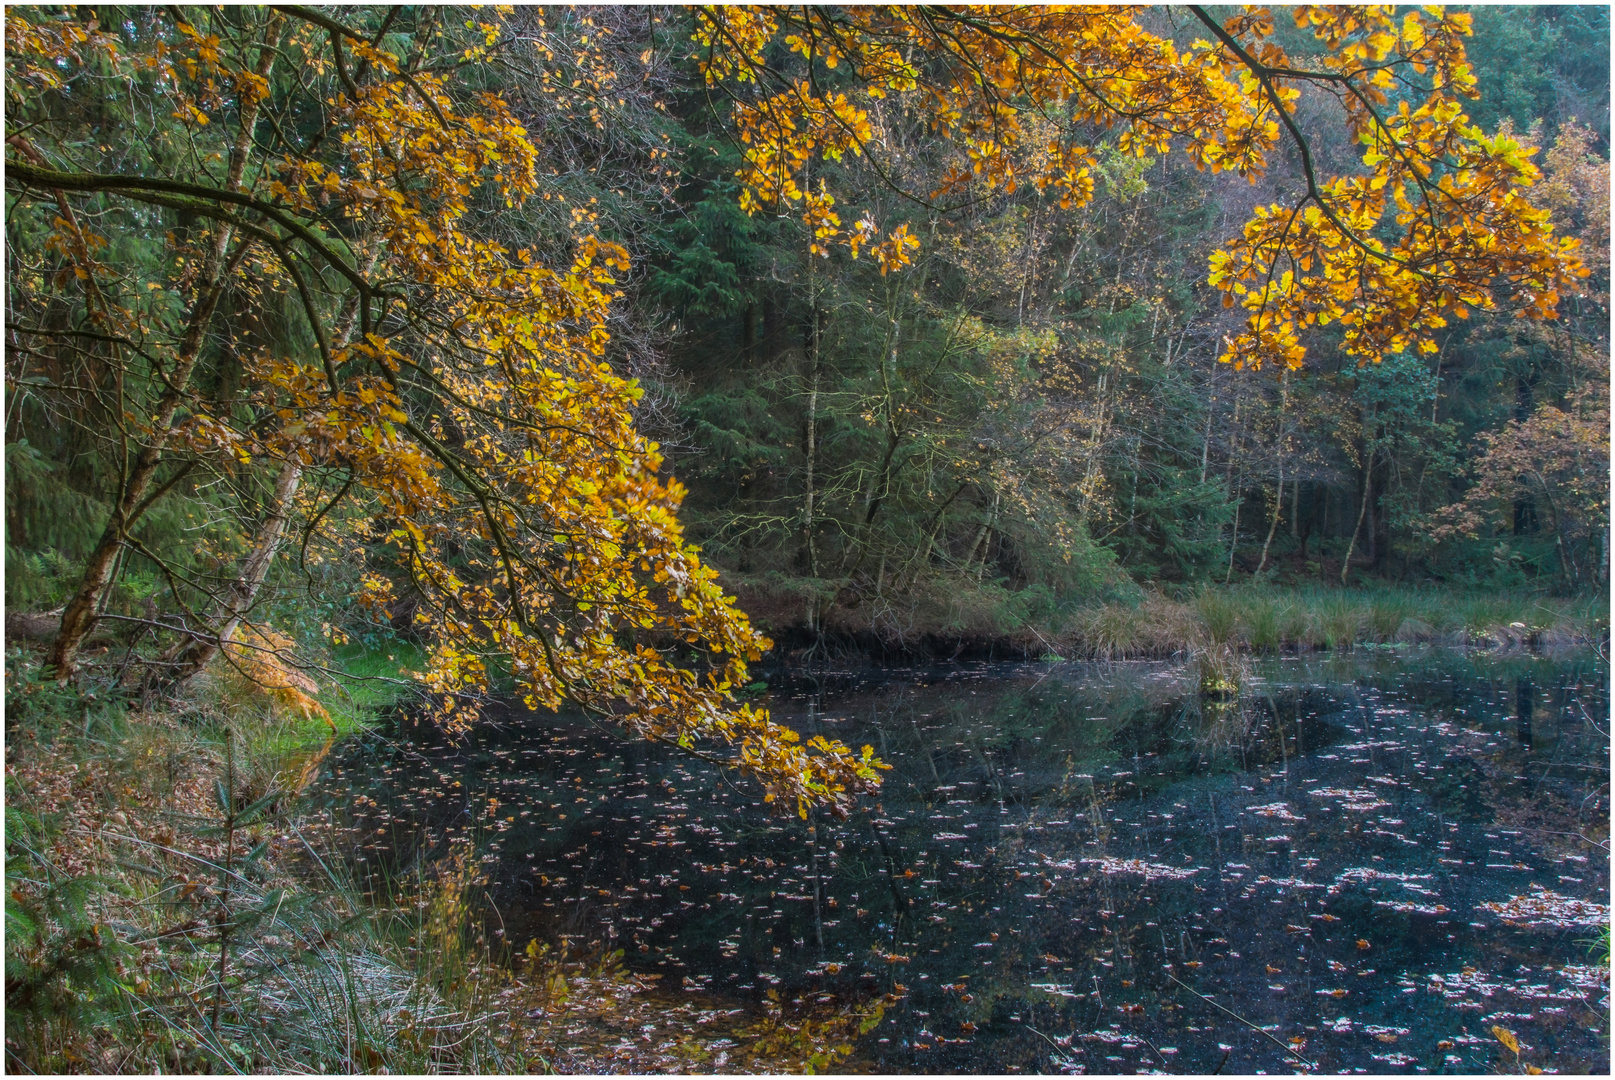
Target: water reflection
(1078, 867)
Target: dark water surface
(1064, 857)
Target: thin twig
(1275, 1040)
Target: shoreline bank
(1154, 626)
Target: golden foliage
(461, 383)
(980, 77)
(260, 656)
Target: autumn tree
(1402, 218)
(357, 288)
(338, 174)
(1434, 224)
(1552, 456)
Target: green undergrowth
(170, 908)
(375, 680)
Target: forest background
(1029, 417)
(1011, 430)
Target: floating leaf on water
(1413, 909)
(1278, 810)
(1148, 871)
(1548, 908)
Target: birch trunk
(192, 655)
(1368, 491)
(78, 617)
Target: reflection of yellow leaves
(1506, 1037)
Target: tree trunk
(1305, 533)
(984, 540)
(78, 617)
(1273, 525)
(1205, 437)
(1323, 530)
(1368, 487)
(1278, 488)
(1371, 534)
(1567, 563)
(856, 550)
(1380, 550)
(190, 657)
(769, 346)
(811, 446)
(1233, 543)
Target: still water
(1364, 864)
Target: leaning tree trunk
(78, 617)
(1273, 525)
(1368, 490)
(192, 655)
(1278, 488)
(1233, 544)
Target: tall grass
(1266, 619)
(1340, 619)
(1220, 614)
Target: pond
(1364, 864)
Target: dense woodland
(1033, 412)
(1036, 409)
(560, 354)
